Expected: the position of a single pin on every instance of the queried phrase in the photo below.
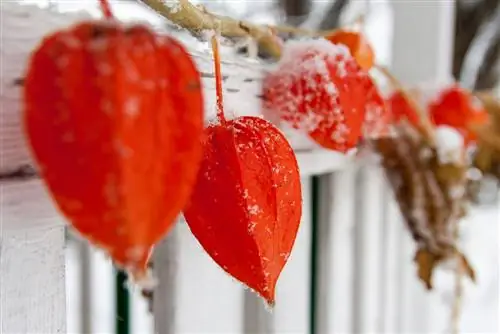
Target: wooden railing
(351, 270)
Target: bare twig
(197, 19)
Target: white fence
(351, 270)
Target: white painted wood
(142, 320)
(422, 40)
(257, 317)
(291, 313)
(323, 246)
(422, 52)
(85, 287)
(390, 283)
(73, 282)
(336, 257)
(90, 291)
(367, 250)
(207, 299)
(166, 263)
(22, 29)
(32, 288)
(102, 287)
(481, 239)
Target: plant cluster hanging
(122, 147)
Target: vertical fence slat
(102, 291)
(323, 245)
(335, 265)
(367, 250)
(142, 320)
(166, 266)
(207, 299)
(85, 288)
(390, 282)
(256, 318)
(291, 314)
(32, 263)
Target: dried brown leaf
(431, 195)
(426, 262)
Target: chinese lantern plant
(317, 87)
(114, 118)
(246, 206)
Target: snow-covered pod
(318, 88)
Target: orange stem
(106, 9)
(218, 80)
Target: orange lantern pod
(246, 207)
(457, 108)
(358, 45)
(317, 87)
(114, 117)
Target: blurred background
(98, 301)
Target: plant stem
(106, 9)
(218, 80)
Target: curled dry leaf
(430, 194)
(107, 110)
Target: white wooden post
(422, 52)
(335, 246)
(166, 263)
(368, 228)
(390, 284)
(291, 314)
(32, 286)
(32, 266)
